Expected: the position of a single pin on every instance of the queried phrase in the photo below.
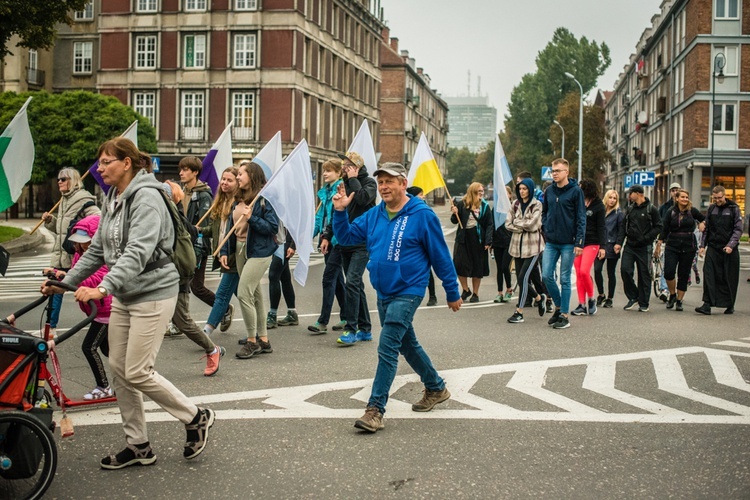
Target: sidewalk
(27, 241)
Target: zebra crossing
(24, 276)
(687, 385)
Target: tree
(69, 127)
(461, 167)
(485, 164)
(535, 100)
(34, 21)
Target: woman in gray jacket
(134, 233)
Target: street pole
(719, 62)
(580, 127)
(562, 155)
(552, 145)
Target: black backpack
(68, 245)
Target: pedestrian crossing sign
(546, 174)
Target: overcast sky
(498, 40)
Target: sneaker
(550, 306)
(265, 347)
(248, 350)
(664, 295)
(630, 305)
(226, 320)
(291, 319)
(729, 310)
(579, 311)
(371, 421)
(592, 307)
(474, 298)
(212, 361)
(197, 433)
(607, 304)
(561, 323)
(671, 301)
(499, 299)
(338, 327)
(430, 399)
(704, 309)
(347, 339)
(690, 282)
(98, 392)
(172, 331)
(465, 294)
(678, 305)
(131, 455)
(643, 309)
(432, 301)
(540, 306)
(271, 321)
(364, 336)
(697, 279)
(317, 328)
(516, 318)
(555, 317)
(600, 300)
(508, 296)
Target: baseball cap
(635, 188)
(675, 185)
(390, 168)
(354, 158)
(80, 236)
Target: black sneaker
(579, 311)
(197, 433)
(550, 307)
(600, 300)
(643, 309)
(554, 318)
(540, 304)
(141, 454)
(672, 300)
(678, 305)
(607, 304)
(631, 305)
(474, 298)
(432, 301)
(465, 294)
(562, 322)
(704, 309)
(516, 318)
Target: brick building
(675, 103)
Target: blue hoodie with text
(401, 249)
(564, 215)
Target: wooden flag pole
(54, 207)
(235, 227)
(451, 200)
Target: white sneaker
(99, 393)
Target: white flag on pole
(269, 158)
(363, 145)
(500, 177)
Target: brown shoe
(265, 347)
(430, 399)
(371, 421)
(248, 350)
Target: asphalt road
(621, 405)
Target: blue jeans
(227, 287)
(397, 336)
(564, 253)
(333, 284)
(356, 313)
(56, 305)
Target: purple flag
(218, 158)
(130, 133)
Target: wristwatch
(102, 290)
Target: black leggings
(96, 339)
(502, 261)
(680, 263)
(611, 276)
(527, 272)
(280, 279)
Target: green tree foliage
(534, 101)
(460, 165)
(69, 127)
(485, 163)
(34, 21)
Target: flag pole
(54, 207)
(451, 199)
(235, 227)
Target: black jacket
(364, 188)
(679, 228)
(595, 232)
(485, 223)
(641, 225)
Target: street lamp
(580, 127)
(719, 62)
(562, 154)
(553, 146)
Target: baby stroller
(28, 452)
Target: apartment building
(473, 122)
(682, 102)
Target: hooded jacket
(150, 233)
(365, 189)
(401, 249)
(199, 200)
(612, 223)
(262, 227)
(525, 225)
(90, 224)
(595, 227)
(564, 214)
(641, 226)
(70, 204)
(324, 215)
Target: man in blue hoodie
(404, 239)
(564, 225)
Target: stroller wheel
(28, 456)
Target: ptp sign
(642, 178)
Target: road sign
(642, 178)
(546, 174)
(155, 163)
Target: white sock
(208, 329)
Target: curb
(24, 242)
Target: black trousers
(502, 261)
(96, 339)
(197, 285)
(721, 276)
(528, 278)
(611, 276)
(679, 263)
(280, 280)
(640, 258)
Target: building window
(87, 14)
(82, 57)
(192, 115)
(244, 51)
(727, 9)
(145, 52)
(723, 118)
(34, 76)
(195, 5)
(245, 4)
(243, 116)
(194, 51)
(146, 6)
(144, 103)
(730, 59)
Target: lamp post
(552, 145)
(718, 73)
(562, 153)
(580, 127)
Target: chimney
(394, 44)
(420, 71)
(385, 34)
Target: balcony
(192, 133)
(35, 77)
(243, 133)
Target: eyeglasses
(558, 170)
(63, 179)
(106, 163)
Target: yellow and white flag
(424, 171)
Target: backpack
(280, 237)
(182, 253)
(68, 245)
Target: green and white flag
(16, 158)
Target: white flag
(269, 158)
(290, 191)
(500, 177)
(362, 144)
